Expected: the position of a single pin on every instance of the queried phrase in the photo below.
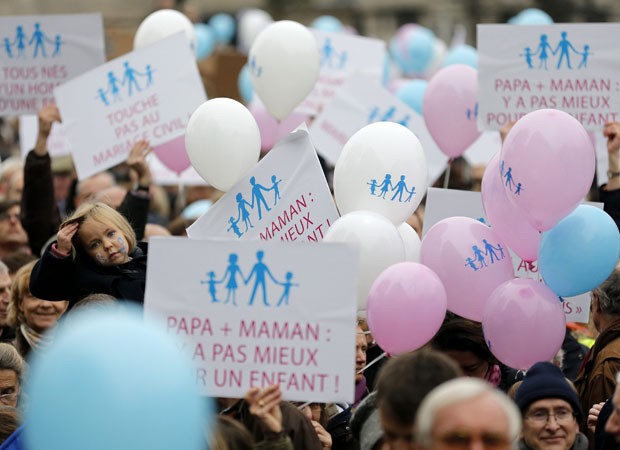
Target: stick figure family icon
(479, 259)
(260, 275)
(564, 50)
(510, 182)
(39, 42)
(332, 58)
(376, 115)
(257, 202)
(399, 188)
(131, 80)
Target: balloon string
(446, 178)
(373, 362)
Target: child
(96, 252)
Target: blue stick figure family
(259, 275)
(515, 187)
(472, 113)
(38, 42)
(563, 52)
(388, 116)
(479, 259)
(331, 58)
(399, 188)
(254, 68)
(130, 80)
(258, 203)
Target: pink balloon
(406, 307)
(271, 131)
(470, 259)
(547, 164)
(523, 323)
(450, 108)
(507, 220)
(173, 155)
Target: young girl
(95, 252)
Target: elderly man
(13, 238)
(550, 409)
(7, 334)
(467, 413)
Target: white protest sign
(259, 313)
(284, 197)
(57, 141)
(571, 67)
(147, 94)
(362, 101)
(483, 148)
(164, 176)
(37, 53)
(341, 55)
(444, 203)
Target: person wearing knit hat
(551, 411)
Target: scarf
(37, 341)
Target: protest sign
(259, 313)
(147, 94)
(444, 203)
(341, 55)
(284, 197)
(38, 53)
(57, 141)
(571, 67)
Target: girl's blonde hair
(19, 288)
(102, 213)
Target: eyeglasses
(6, 216)
(542, 416)
(8, 398)
(464, 441)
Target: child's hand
(137, 161)
(64, 237)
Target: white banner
(341, 55)
(444, 203)
(572, 67)
(259, 313)
(37, 53)
(147, 94)
(284, 197)
(57, 141)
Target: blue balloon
(531, 16)
(327, 23)
(224, 27)
(112, 380)
(580, 252)
(244, 84)
(412, 94)
(461, 54)
(205, 40)
(420, 50)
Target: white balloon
(379, 244)
(250, 24)
(284, 66)
(411, 241)
(222, 141)
(161, 24)
(381, 168)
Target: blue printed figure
(528, 57)
(259, 271)
(501, 251)
(502, 166)
(472, 114)
(481, 220)
(57, 44)
(233, 226)
(399, 187)
(8, 47)
(479, 256)
(509, 179)
(563, 47)
(149, 75)
(212, 290)
(471, 263)
(519, 189)
(101, 95)
(489, 250)
(287, 288)
(113, 86)
(232, 270)
(386, 185)
(584, 57)
(255, 68)
(38, 37)
(20, 41)
(257, 197)
(389, 114)
(276, 189)
(343, 60)
(129, 77)
(405, 120)
(373, 186)
(374, 115)
(411, 194)
(542, 49)
(243, 213)
(327, 52)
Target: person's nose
(552, 423)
